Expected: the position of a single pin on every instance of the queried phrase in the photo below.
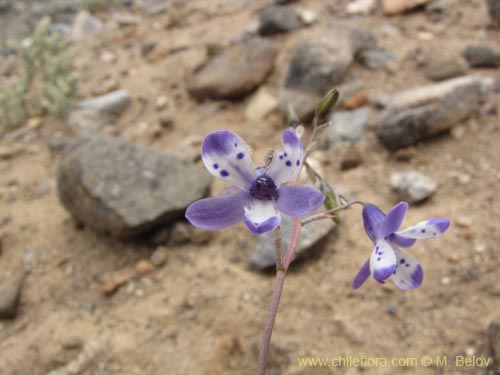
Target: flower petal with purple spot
(261, 216)
(372, 220)
(298, 200)
(393, 219)
(227, 156)
(382, 261)
(218, 212)
(362, 276)
(426, 229)
(286, 162)
(409, 273)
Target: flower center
(264, 188)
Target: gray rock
(264, 254)
(5, 5)
(85, 25)
(10, 293)
(60, 28)
(482, 57)
(378, 58)
(438, 10)
(422, 113)
(409, 126)
(494, 10)
(348, 126)
(442, 91)
(117, 187)
(154, 7)
(320, 62)
(413, 186)
(285, 1)
(92, 114)
(236, 71)
(440, 66)
(279, 19)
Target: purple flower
(387, 260)
(258, 195)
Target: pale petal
(409, 273)
(382, 261)
(261, 216)
(298, 200)
(393, 219)
(363, 274)
(227, 156)
(426, 229)
(287, 161)
(218, 212)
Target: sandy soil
(202, 312)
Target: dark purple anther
(264, 188)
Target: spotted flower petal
(426, 229)
(286, 162)
(261, 216)
(393, 220)
(373, 218)
(382, 261)
(362, 276)
(298, 200)
(218, 212)
(227, 156)
(409, 273)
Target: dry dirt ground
(202, 312)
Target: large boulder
(117, 187)
(319, 62)
(236, 71)
(417, 114)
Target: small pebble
(470, 352)
(308, 17)
(159, 256)
(445, 280)
(144, 267)
(161, 103)
(463, 221)
(479, 248)
(108, 57)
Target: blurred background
(103, 108)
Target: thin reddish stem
(275, 299)
(290, 252)
(271, 316)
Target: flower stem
(290, 252)
(271, 316)
(275, 299)
(327, 214)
